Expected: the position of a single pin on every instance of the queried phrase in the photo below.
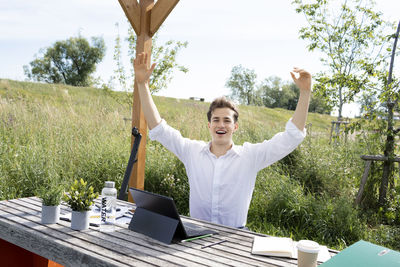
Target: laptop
(156, 216)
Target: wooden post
(369, 161)
(145, 18)
(363, 181)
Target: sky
(258, 34)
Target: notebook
(365, 254)
(282, 247)
(156, 216)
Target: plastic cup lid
(308, 246)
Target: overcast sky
(259, 34)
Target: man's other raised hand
(142, 71)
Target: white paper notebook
(282, 247)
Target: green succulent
(81, 196)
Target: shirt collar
(234, 149)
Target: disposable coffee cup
(307, 253)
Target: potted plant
(51, 193)
(80, 199)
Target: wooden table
(20, 225)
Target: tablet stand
(132, 160)
(155, 225)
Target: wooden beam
(159, 13)
(141, 16)
(143, 44)
(363, 181)
(132, 12)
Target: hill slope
(62, 133)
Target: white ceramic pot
(80, 220)
(50, 214)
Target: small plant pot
(80, 220)
(50, 214)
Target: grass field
(63, 133)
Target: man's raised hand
(142, 72)
(304, 80)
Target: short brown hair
(222, 102)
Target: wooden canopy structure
(146, 17)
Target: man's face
(222, 126)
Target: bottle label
(103, 214)
(107, 214)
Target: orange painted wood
(132, 12)
(14, 256)
(159, 13)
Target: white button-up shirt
(221, 188)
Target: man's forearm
(300, 115)
(149, 109)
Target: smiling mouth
(221, 132)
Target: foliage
(166, 175)
(275, 93)
(351, 38)
(51, 192)
(80, 196)
(164, 55)
(242, 83)
(70, 61)
(271, 93)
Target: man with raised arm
(221, 174)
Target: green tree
(351, 37)
(164, 55)
(379, 104)
(242, 83)
(272, 92)
(119, 72)
(390, 96)
(276, 94)
(71, 61)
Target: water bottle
(108, 207)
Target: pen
(197, 237)
(68, 220)
(213, 244)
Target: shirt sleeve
(280, 145)
(170, 138)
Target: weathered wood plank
(239, 254)
(138, 249)
(23, 232)
(155, 249)
(192, 249)
(180, 252)
(87, 242)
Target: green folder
(365, 254)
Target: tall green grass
(64, 133)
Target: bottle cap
(110, 184)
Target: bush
(166, 175)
